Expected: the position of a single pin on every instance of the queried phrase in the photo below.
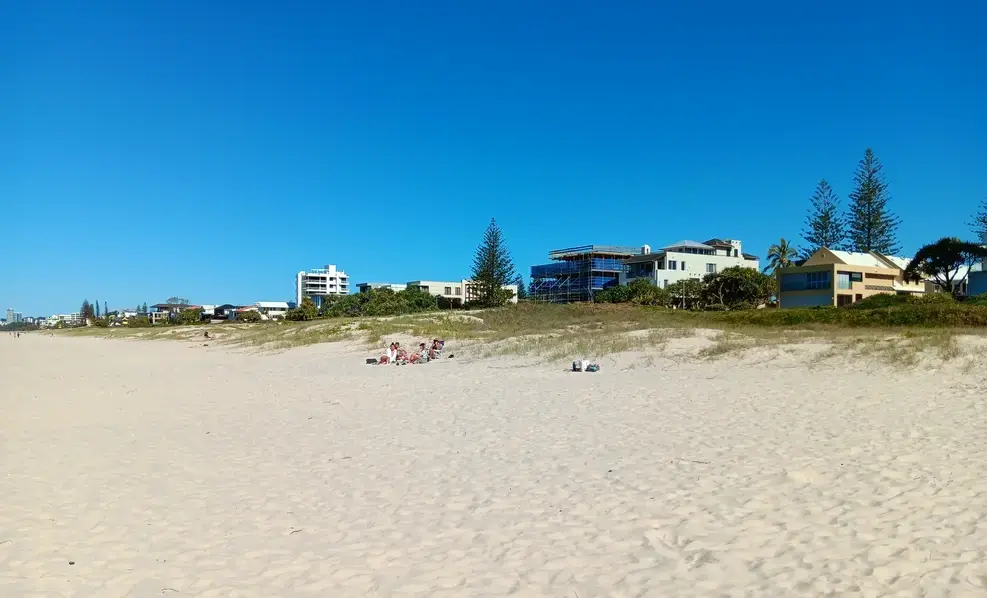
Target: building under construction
(578, 273)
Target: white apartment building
(69, 319)
(687, 260)
(321, 283)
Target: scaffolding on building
(578, 273)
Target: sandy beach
(165, 468)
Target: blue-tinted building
(577, 273)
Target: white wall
(695, 266)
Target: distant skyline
(212, 151)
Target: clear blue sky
(213, 149)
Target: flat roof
(645, 258)
(617, 250)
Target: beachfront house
(458, 292)
(321, 283)
(686, 260)
(839, 278)
(272, 310)
(162, 312)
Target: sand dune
(138, 468)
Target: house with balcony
(457, 291)
(162, 312)
(839, 278)
(687, 260)
(272, 310)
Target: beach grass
(561, 331)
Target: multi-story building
(578, 273)
(687, 260)
(321, 283)
(65, 319)
(10, 316)
(839, 278)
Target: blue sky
(173, 148)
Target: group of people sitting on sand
(425, 353)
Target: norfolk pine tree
(824, 226)
(492, 268)
(870, 226)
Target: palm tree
(780, 255)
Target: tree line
(868, 224)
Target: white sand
(168, 469)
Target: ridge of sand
(177, 470)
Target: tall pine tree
(492, 269)
(96, 305)
(824, 226)
(870, 226)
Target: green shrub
(738, 288)
(249, 316)
(883, 300)
(936, 299)
(138, 322)
(188, 316)
(614, 294)
(306, 311)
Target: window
(459, 290)
(710, 268)
(683, 265)
(856, 277)
(817, 280)
(735, 252)
(842, 280)
(843, 300)
(672, 265)
(665, 286)
(448, 291)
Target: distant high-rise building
(321, 283)
(10, 315)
